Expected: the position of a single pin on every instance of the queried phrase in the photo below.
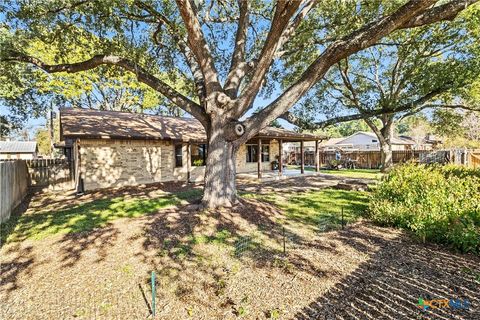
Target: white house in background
(18, 150)
(364, 141)
(359, 141)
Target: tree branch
(283, 12)
(445, 12)
(356, 41)
(348, 84)
(308, 125)
(292, 26)
(69, 7)
(415, 106)
(182, 45)
(143, 76)
(199, 46)
(378, 132)
(236, 72)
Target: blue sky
(32, 124)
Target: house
(364, 141)
(114, 149)
(359, 141)
(18, 150)
(428, 142)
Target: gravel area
(230, 264)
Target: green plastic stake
(153, 294)
(343, 221)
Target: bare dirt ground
(230, 264)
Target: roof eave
(116, 137)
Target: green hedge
(438, 203)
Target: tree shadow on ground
(291, 184)
(74, 244)
(313, 209)
(390, 284)
(84, 222)
(9, 226)
(23, 263)
(81, 214)
(175, 234)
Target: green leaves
(402, 74)
(438, 204)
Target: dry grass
(230, 264)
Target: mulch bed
(362, 272)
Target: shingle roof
(87, 123)
(332, 142)
(18, 146)
(280, 133)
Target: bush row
(438, 203)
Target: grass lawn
(40, 221)
(374, 174)
(322, 209)
(314, 208)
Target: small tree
(225, 51)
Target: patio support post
(189, 161)
(280, 157)
(259, 159)
(302, 157)
(317, 156)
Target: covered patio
(279, 170)
(274, 174)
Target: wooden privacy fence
(474, 160)
(372, 159)
(294, 158)
(53, 173)
(13, 186)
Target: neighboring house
(364, 141)
(18, 150)
(114, 149)
(429, 142)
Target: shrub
(439, 204)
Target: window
(265, 153)
(374, 140)
(199, 155)
(252, 153)
(178, 156)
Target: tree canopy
(409, 71)
(224, 53)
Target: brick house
(114, 149)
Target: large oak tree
(229, 53)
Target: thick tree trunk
(220, 189)
(384, 136)
(386, 143)
(386, 156)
